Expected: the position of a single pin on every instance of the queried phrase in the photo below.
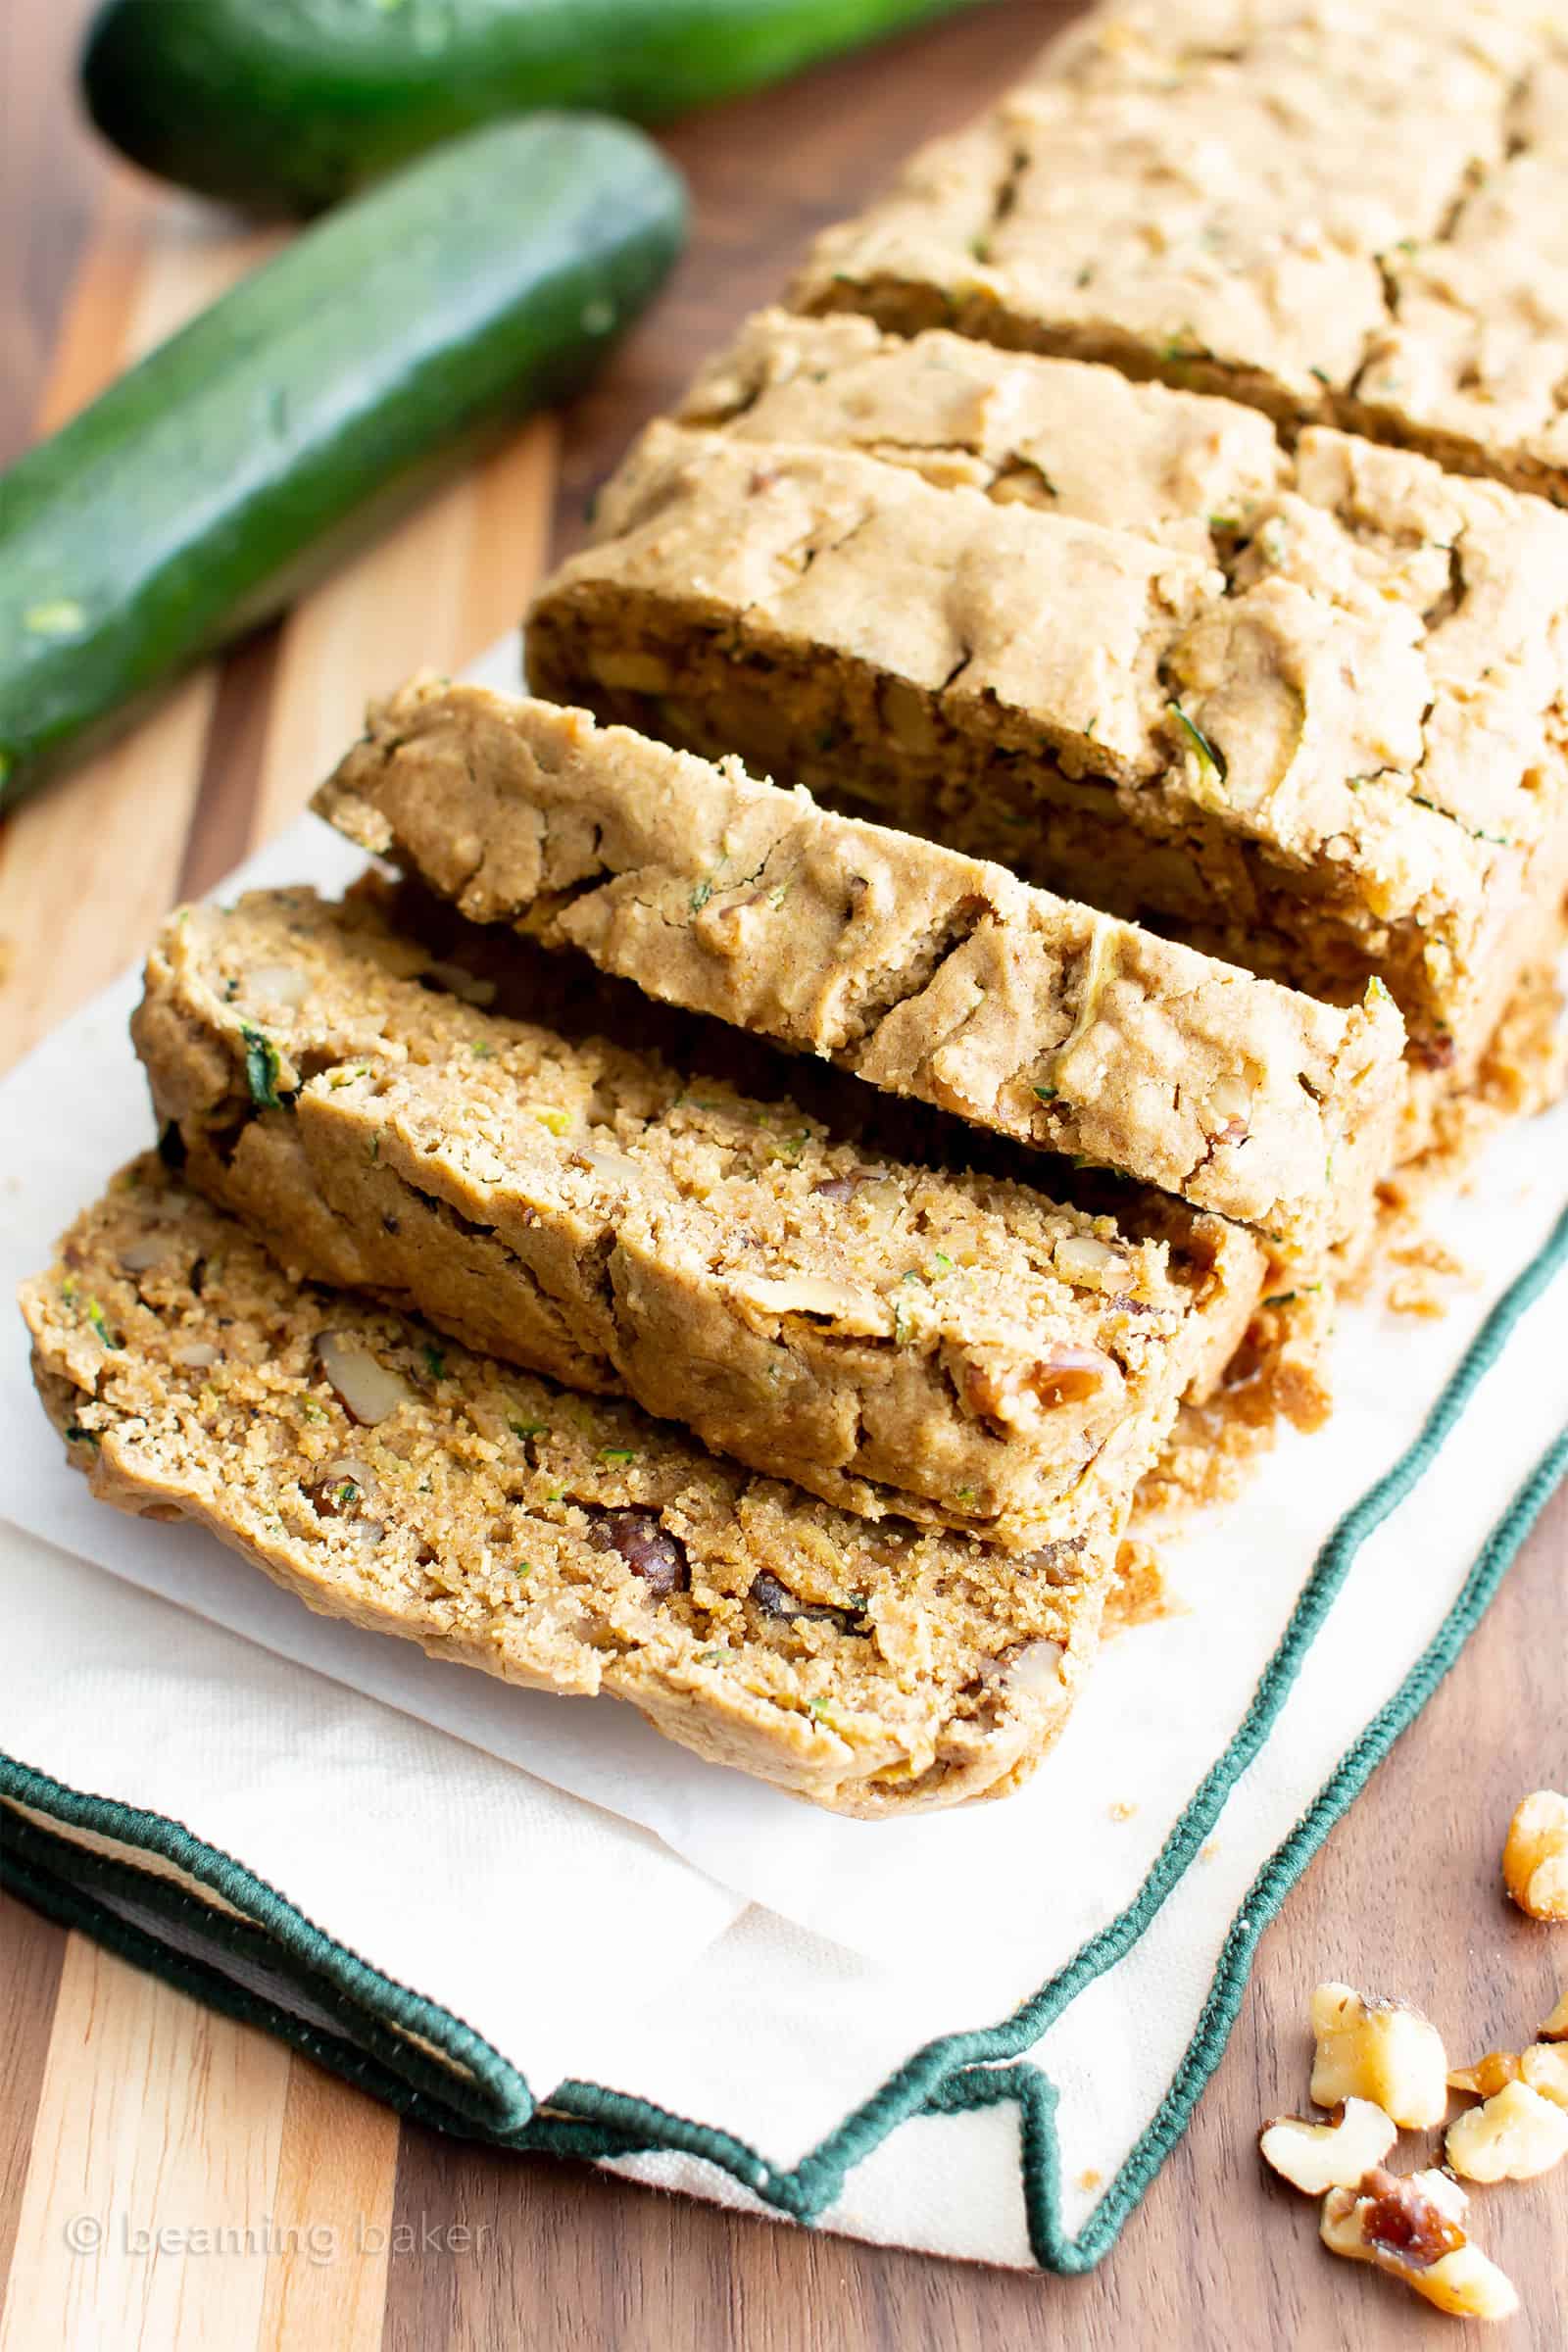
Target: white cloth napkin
(605, 1910)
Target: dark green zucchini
(285, 105)
(206, 486)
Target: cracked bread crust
(1340, 212)
(950, 1349)
(1069, 439)
(1473, 575)
(562, 1542)
(930, 974)
(1334, 753)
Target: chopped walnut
(1544, 2067)
(1378, 2050)
(368, 1389)
(1414, 2228)
(1417, 2216)
(1513, 2135)
(775, 1599)
(1072, 1375)
(635, 673)
(847, 1308)
(1489, 2075)
(1314, 2157)
(1535, 1859)
(1013, 1396)
(1035, 1669)
(1091, 1263)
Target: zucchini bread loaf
(564, 1542)
(1329, 746)
(929, 973)
(953, 1348)
(1346, 211)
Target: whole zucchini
(205, 487)
(287, 104)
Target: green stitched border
(42, 1870)
(333, 1976)
(953, 2074)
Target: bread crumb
(1139, 1593)
(1524, 1071)
(1430, 1254)
(1122, 1811)
(1413, 1297)
(1216, 1448)
(1427, 1263)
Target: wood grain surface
(119, 2096)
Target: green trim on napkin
(273, 1966)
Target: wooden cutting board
(117, 2095)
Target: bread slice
(931, 975)
(949, 1348)
(1315, 725)
(1330, 748)
(564, 1542)
(1060, 436)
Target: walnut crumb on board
(1414, 2228)
(1369, 2047)
(1513, 2135)
(1379, 2066)
(1535, 1859)
(1339, 2154)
